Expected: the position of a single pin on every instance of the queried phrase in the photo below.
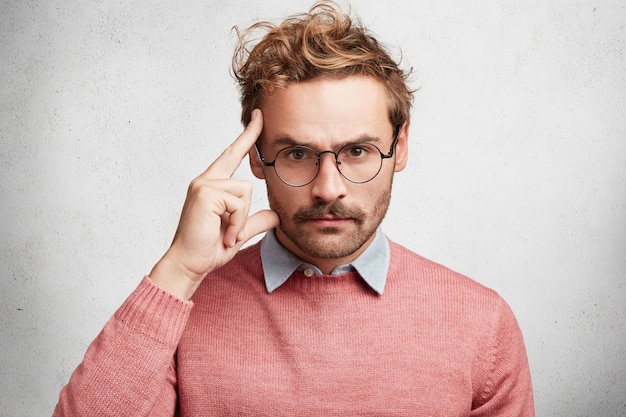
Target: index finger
(228, 162)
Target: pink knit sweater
(434, 344)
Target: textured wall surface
(517, 177)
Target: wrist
(173, 278)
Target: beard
(331, 242)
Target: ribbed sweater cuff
(155, 313)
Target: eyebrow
(289, 141)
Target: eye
(357, 151)
(295, 154)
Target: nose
(329, 185)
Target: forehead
(324, 111)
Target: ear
(255, 164)
(402, 147)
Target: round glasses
(298, 166)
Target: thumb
(259, 222)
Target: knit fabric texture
(435, 343)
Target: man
(325, 316)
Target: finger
(236, 199)
(260, 222)
(228, 162)
(236, 187)
(235, 214)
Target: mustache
(336, 208)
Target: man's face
(331, 220)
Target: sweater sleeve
(503, 385)
(129, 369)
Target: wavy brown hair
(325, 42)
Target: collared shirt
(278, 263)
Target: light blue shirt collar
(278, 263)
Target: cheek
(374, 196)
(283, 199)
(381, 184)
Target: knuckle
(194, 185)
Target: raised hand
(214, 223)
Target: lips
(330, 217)
(330, 222)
